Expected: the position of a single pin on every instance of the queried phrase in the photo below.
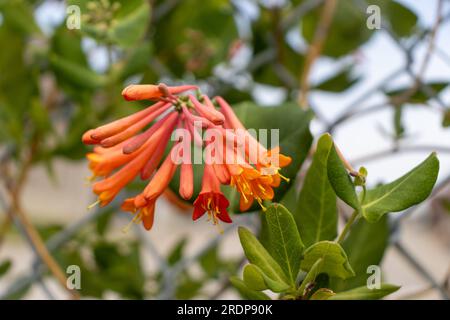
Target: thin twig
(399, 149)
(315, 49)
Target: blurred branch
(400, 149)
(349, 110)
(315, 49)
(52, 244)
(298, 12)
(14, 210)
(418, 84)
(420, 269)
(170, 275)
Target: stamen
(93, 205)
(283, 177)
(136, 219)
(261, 204)
(219, 228)
(89, 180)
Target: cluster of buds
(136, 145)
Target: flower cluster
(136, 145)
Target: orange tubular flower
(211, 199)
(253, 186)
(135, 146)
(111, 186)
(151, 92)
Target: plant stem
(347, 226)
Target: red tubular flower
(211, 199)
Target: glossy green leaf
(287, 247)
(316, 212)
(335, 261)
(246, 292)
(365, 246)
(340, 180)
(408, 190)
(364, 293)
(256, 279)
(258, 255)
(253, 278)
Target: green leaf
(365, 246)
(258, 255)
(446, 119)
(402, 20)
(4, 267)
(316, 212)
(77, 75)
(340, 180)
(187, 287)
(335, 261)
(256, 279)
(246, 292)
(136, 61)
(347, 32)
(19, 15)
(176, 253)
(131, 27)
(286, 245)
(311, 276)
(322, 294)
(195, 36)
(408, 190)
(124, 25)
(253, 278)
(418, 97)
(339, 82)
(364, 293)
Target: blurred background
(379, 84)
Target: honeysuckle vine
(136, 146)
